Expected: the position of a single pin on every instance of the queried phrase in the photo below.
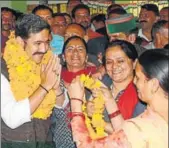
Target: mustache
(84, 22)
(143, 21)
(39, 53)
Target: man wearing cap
(123, 27)
(149, 14)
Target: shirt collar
(140, 34)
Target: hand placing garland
(96, 124)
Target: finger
(49, 63)
(55, 64)
(42, 68)
(58, 65)
(58, 76)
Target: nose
(76, 51)
(115, 65)
(44, 47)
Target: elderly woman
(150, 129)
(75, 56)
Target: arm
(13, 113)
(81, 137)
(111, 106)
(16, 113)
(80, 131)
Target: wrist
(114, 114)
(76, 114)
(76, 106)
(44, 88)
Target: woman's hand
(99, 73)
(76, 93)
(49, 73)
(107, 95)
(56, 86)
(76, 89)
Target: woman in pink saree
(148, 130)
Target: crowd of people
(43, 56)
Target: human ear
(154, 85)
(157, 18)
(63, 57)
(86, 38)
(134, 63)
(20, 41)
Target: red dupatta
(68, 76)
(127, 101)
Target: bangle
(44, 88)
(60, 94)
(74, 114)
(77, 100)
(114, 114)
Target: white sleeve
(66, 101)
(14, 113)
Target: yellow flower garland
(24, 75)
(97, 120)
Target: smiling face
(59, 25)
(7, 21)
(82, 17)
(75, 54)
(147, 19)
(119, 67)
(37, 45)
(46, 15)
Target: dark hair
(166, 46)
(42, 7)
(128, 48)
(151, 7)
(99, 18)
(18, 14)
(165, 8)
(30, 23)
(113, 6)
(155, 65)
(71, 38)
(119, 11)
(7, 9)
(58, 14)
(79, 6)
(66, 14)
(156, 27)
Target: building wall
(6, 4)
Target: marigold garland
(97, 120)
(24, 75)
